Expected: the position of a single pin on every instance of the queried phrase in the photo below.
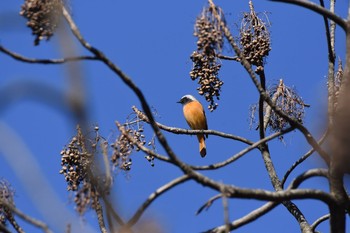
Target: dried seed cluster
(254, 38)
(43, 17)
(206, 65)
(75, 161)
(80, 174)
(130, 139)
(122, 149)
(289, 102)
(85, 198)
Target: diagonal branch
(293, 122)
(26, 218)
(250, 217)
(302, 159)
(244, 151)
(154, 196)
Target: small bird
(195, 117)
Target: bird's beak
(179, 102)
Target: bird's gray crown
(186, 99)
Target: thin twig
(253, 215)
(318, 9)
(302, 159)
(161, 190)
(244, 151)
(224, 57)
(53, 61)
(306, 175)
(208, 203)
(319, 221)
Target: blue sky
(152, 41)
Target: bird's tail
(202, 148)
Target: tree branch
(318, 9)
(27, 218)
(174, 130)
(302, 159)
(306, 175)
(319, 221)
(243, 152)
(255, 214)
(293, 122)
(155, 195)
(19, 57)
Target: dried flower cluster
(77, 167)
(206, 65)
(288, 101)
(254, 38)
(6, 196)
(43, 17)
(337, 82)
(75, 161)
(124, 147)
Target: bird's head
(186, 99)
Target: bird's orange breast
(195, 116)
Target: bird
(196, 119)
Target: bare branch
(19, 57)
(154, 196)
(140, 146)
(174, 130)
(27, 218)
(302, 159)
(4, 229)
(243, 152)
(319, 221)
(306, 175)
(318, 9)
(224, 57)
(208, 203)
(99, 213)
(124, 78)
(255, 214)
(293, 122)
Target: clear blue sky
(151, 41)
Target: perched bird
(195, 117)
